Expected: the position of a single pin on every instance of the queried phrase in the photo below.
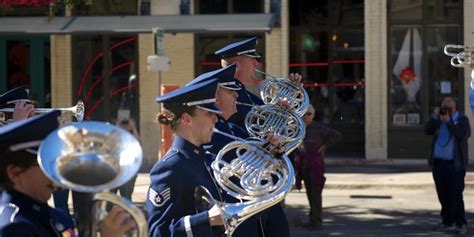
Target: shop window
(420, 75)
(406, 10)
(443, 79)
(105, 77)
(229, 7)
(407, 76)
(323, 12)
(327, 48)
(437, 10)
(106, 8)
(26, 61)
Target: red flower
(407, 75)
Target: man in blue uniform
(171, 205)
(243, 54)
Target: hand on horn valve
(296, 78)
(274, 145)
(116, 223)
(285, 104)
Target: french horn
(273, 88)
(278, 119)
(92, 157)
(263, 180)
(461, 56)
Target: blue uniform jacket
(23, 216)
(247, 98)
(170, 203)
(271, 222)
(219, 141)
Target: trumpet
(77, 110)
(273, 88)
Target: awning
(225, 23)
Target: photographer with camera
(448, 160)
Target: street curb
(388, 186)
(363, 161)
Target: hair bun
(165, 117)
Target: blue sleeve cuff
(199, 224)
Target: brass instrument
(77, 110)
(461, 56)
(263, 180)
(273, 88)
(247, 170)
(92, 157)
(274, 118)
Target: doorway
(25, 60)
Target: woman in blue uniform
(171, 207)
(272, 221)
(26, 189)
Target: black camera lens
(444, 111)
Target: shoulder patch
(10, 210)
(159, 199)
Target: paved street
(368, 200)
(372, 212)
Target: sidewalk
(411, 176)
(358, 176)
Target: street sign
(159, 38)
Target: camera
(444, 110)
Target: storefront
(419, 74)
(327, 48)
(374, 69)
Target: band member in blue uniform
(226, 98)
(23, 109)
(26, 189)
(171, 205)
(18, 99)
(243, 54)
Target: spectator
(449, 157)
(309, 164)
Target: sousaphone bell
(92, 157)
